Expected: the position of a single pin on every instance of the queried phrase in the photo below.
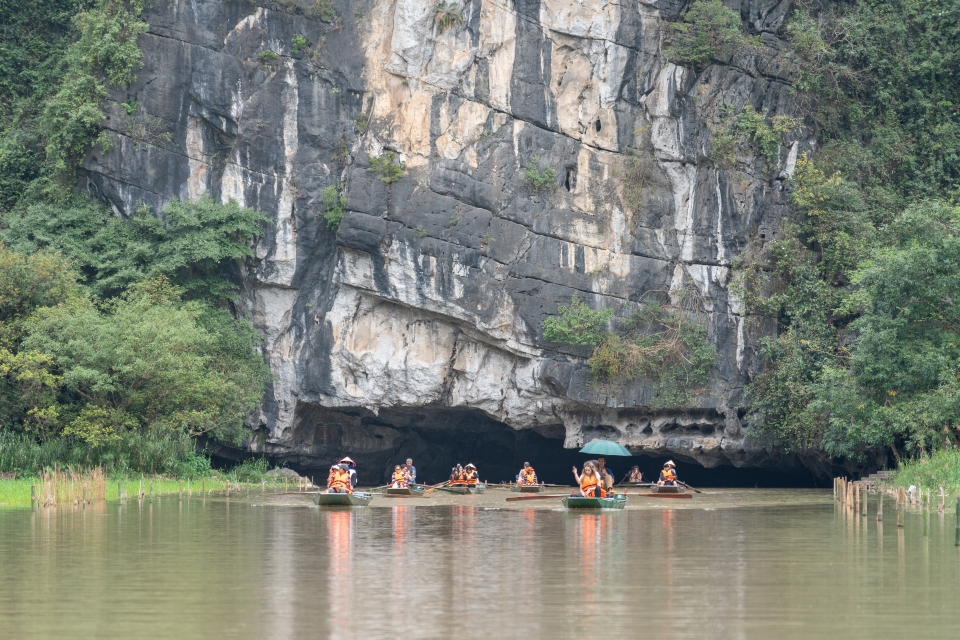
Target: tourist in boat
(471, 477)
(411, 472)
(605, 473)
(527, 476)
(339, 480)
(458, 476)
(589, 482)
(399, 478)
(668, 477)
(351, 469)
(634, 475)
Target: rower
(471, 476)
(668, 477)
(635, 475)
(411, 472)
(458, 476)
(339, 480)
(399, 478)
(351, 469)
(605, 473)
(527, 476)
(589, 481)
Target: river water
(727, 564)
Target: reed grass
(939, 469)
(66, 490)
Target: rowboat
(637, 484)
(666, 492)
(618, 501)
(528, 488)
(667, 489)
(414, 490)
(465, 489)
(342, 499)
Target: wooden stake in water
(880, 506)
(956, 540)
(151, 491)
(33, 497)
(140, 493)
(189, 492)
(203, 487)
(180, 483)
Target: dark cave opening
(437, 438)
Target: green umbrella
(606, 448)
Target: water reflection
(194, 570)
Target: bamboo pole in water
(956, 538)
(189, 491)
(880, 506)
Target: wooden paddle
(435, 487)
(689, 487)
(539, 497)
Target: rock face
(429, 298)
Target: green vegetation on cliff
(117, 343)
(862, 279)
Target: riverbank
(16, 492)
(940, 469)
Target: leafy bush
(636, 174)
(446, 15)
(669, 348)
(388, 167)
(707, 30)
(267, 56)
(252, 470)
(537, 180)
(939, 469)
(362, 121)
(299, 43)
(325, 11)
(577, 324)
(333, 205)
(767, 137)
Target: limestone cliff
(430, 296)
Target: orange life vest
(668, 475)
(634, 476)
(400, 478)
(528, 476)
(339, 479)
(589, 484)
(473, 478)
(459, 478)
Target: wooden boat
(465, 489)
(618, 501)
(667, 489)
(666, 492)
(342, 499)
(637, 484)
(528, 488)
(414, 490)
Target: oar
(689, 487)
(435, 487)
(539, 497)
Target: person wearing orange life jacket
(471, 477)
(527, 476)
(634, 475)
(589, 482)
(668, 477)
(399, 478)
(339, 480)
(458, 476)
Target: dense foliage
(706, 30)
(667, 347)
(117, 344)
(862, 279)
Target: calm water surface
(728, 564)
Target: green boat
(414, 490)
(465, 489)
(342, 499)
(618, 501)
(528, 488)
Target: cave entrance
(437, 438)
